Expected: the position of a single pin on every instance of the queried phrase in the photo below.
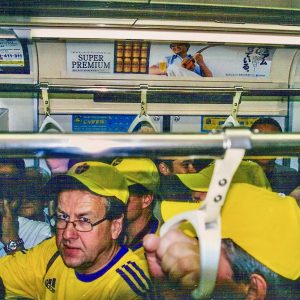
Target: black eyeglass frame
(56, 218)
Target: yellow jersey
(40, 274)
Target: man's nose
(70, 231)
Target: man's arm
(10, 227)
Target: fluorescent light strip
(167, 35)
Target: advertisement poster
(191, 60)
(13, 57)
(210, 123)
(177, 59)
(101, 123)
(90, 58)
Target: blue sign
(101, 123)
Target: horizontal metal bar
(35, 145)
(102, 89)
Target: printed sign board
(101, 123)
(212, 122)
(14, 57)
(178, 59)
(90, 58)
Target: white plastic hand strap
(143, 117)
(206, 221)
(232, 121)
(50, 125)
(46, 101)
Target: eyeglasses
(79, 225)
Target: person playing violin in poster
(181, 63)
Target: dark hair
(187, 45)
(266, 121)
(244, 265)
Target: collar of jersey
(94, 276)
(151, 227)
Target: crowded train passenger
(260, 254)
(22, 212)
(175, 166)
(34, 201)
(11, 168)
(143, 183)
(283, 179)
(85, 260)
(195, 186)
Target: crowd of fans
(90, 229)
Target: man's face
(179, 48)
(267, 128)
(183, 166)
(86, 252)
(134, 207)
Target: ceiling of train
(29, 12)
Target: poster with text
(182, 59)
(90, 58)
(14, 57)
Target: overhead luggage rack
(92, 89)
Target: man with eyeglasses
(86, 259)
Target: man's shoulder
(134, 275)
(131, 256)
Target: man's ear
(164, 169)
(117, 226)
(258, 288)
(147, 200)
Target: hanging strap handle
(46, 102)
(144, 89)
(232, 120)
(206, 221)
(143, 116)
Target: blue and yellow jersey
(136, 245)
(125, 277)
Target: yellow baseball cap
(97, 177)
(263, 223)
(141, 171)
(247, 172)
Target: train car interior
(96, 80)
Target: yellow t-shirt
(125, 277)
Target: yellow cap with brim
(263, 223)
(97, 177)
(141, 171)
(247, 172)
